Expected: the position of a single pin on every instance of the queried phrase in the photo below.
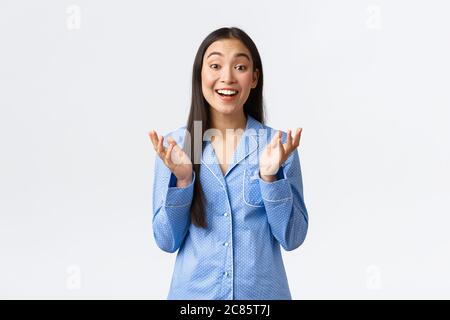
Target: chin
(226, 108)
(230, 108)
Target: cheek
(207, 80)
(207, 87)
(246, 82)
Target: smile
(227, 93)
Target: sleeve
(284, 204)
(171, 208)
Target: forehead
(227, 47)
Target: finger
(279, 143)
(289, 140)
(153, 138)
(176, 148)
(297, 137)
(160, 149)
(272, 141)
(168, 158)
(279, 151)
(275, 139)
(171, 140)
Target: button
(226, 244)
(225, 214)
(225, 274)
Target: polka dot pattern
(238, 256)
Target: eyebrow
(237, 55)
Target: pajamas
(238, 255)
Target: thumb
(172, 141)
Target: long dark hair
(200, 109)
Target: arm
(171, 208)
(173, 188)
(285, 207)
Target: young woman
(232, 194)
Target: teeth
(227, 92)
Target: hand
(174, 158)
(276, 153)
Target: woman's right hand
(174, 158)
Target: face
(228, 76)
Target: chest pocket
(250, 187)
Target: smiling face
(227, 76)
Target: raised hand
(174, 158)
(276, 153)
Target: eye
(241, 67)
(214, 66)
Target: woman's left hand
(276, 153)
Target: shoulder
(265, 136)
(178, 135)
(267, 133)
(262, 130)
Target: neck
(223, 122)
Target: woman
(233, 193)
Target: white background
(82, 82)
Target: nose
(227, 75)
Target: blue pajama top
(238, 255)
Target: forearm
(286, 211)
(171, 218)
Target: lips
(227, 95)
(227, 91)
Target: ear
(255, 78)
